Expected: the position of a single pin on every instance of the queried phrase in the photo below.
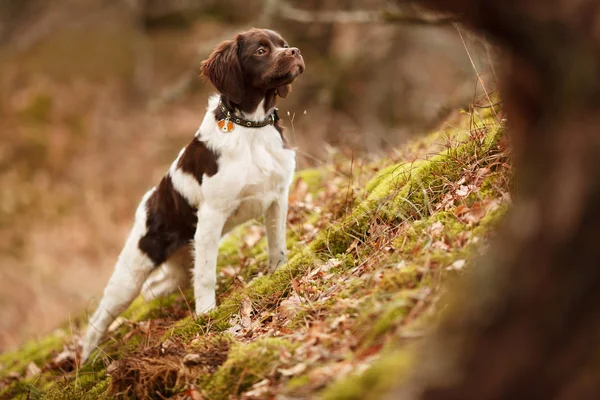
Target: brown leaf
(441, 245)
(64, 361)
(295, 370)
(255, 233)
(290, 307)
(258, 391)
(245, 312)
(436, 229)
(32, 370)
(112, 367)
(194, 394)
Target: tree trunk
(527, 324)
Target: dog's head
(254, 62)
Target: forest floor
(372, 248)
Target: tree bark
(527, 322)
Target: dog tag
(225, 125)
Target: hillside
(372, 245)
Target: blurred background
(98, 96)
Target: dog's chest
(262, 168)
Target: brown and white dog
(236, 168)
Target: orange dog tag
(225, 125)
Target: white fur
(253, 179)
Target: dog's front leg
(211, 221)
(275, 223)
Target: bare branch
(388, 15)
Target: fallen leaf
(112, 367)
(441, 245)
(32, 370)
(64, 361)
(255, 233)
(192, 359)
(228, 271)
(245, 312)
(457, 265)
(295, 370)
(436, 229)
(463, 191)
(257, 391)
(290, 307)
(194, 394)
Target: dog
(237, 167)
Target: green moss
(38, 110)
(376, 381)
(71, 391)
(297, 383)
(245, 366)
(383, 175)
(491, 220)
(313, 177)
(395, 310)
(142, 310)
(37, 351)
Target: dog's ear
(224, 70)
(283, 91)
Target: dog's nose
(292, 51)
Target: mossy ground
(370, 247)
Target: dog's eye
(260, 51)
(285, 46)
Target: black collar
(236, 119)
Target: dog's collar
(226, 124)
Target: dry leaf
(112, 367)
(295, 370)
(457, 265)
(32, 370)
(245, 312)
(441, 245)
(194, 394)
(64, 361)
(257, 391)
(436, 229)
(290, 307)
(192, 359)
(255, 233)
(463, 191)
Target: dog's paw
(90, 343)
(276, 260)
(205, 304)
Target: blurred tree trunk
(526, 326)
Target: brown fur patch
(171, 221)
(245, 77)
(198, 160)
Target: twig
(475, 69)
